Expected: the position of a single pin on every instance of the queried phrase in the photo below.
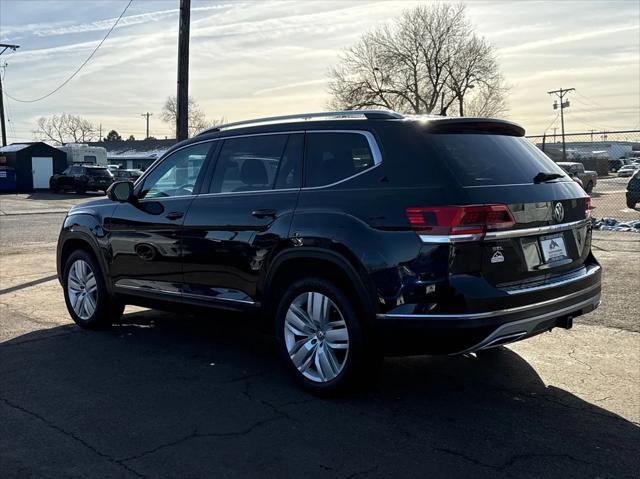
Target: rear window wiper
(543, 177)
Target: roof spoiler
(474, 125)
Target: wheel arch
(293, 264)
(76, 235)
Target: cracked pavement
(168, 396)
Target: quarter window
(253, 163)
(177, 174)
(331, 157)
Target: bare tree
(489, 100)
(65, 128)
(197, 119)
(425, 61)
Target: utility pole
(4, 47)
(147, 114)
(100, 134)
(182, 107)
(563, 104)
(592, 135)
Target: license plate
(553, 248)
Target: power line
(593, 102)
(551, 124)
(80, 67)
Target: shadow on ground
(165, 397)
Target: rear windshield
(482, 159)
(98, 172)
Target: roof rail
(344, 114)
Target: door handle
(175, 215)
(264, 213)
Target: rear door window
(331, 157)
(484, 159)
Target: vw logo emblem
(558, 212)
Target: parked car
(82, 178)
(615, 165)
(126, 175)
(113, 168)
(628, 170)
(354, 234)
(587, 177)
(633, 190)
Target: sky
(262, 58)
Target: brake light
(587, 207)
(459, 220)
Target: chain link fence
(605, 162)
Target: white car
(628, 170)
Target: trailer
(83, 153)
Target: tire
(589, 187)
(328, 358)
(95, 309)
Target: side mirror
(121, 191)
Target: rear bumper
(405, 334)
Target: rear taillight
(459, 220)
(587, 207)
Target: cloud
(571, 37)
(290, 86)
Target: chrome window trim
(490, 314)
(373, 146)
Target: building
(135, 154)
(34, 163)
(610, 150)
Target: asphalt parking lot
(164, 395)
(609, 199)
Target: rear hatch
(540, 226)
(99, 176)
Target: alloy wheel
(82, 289)
(316, 337)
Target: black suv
(633, 190)
(82, 178)
(358, 234)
